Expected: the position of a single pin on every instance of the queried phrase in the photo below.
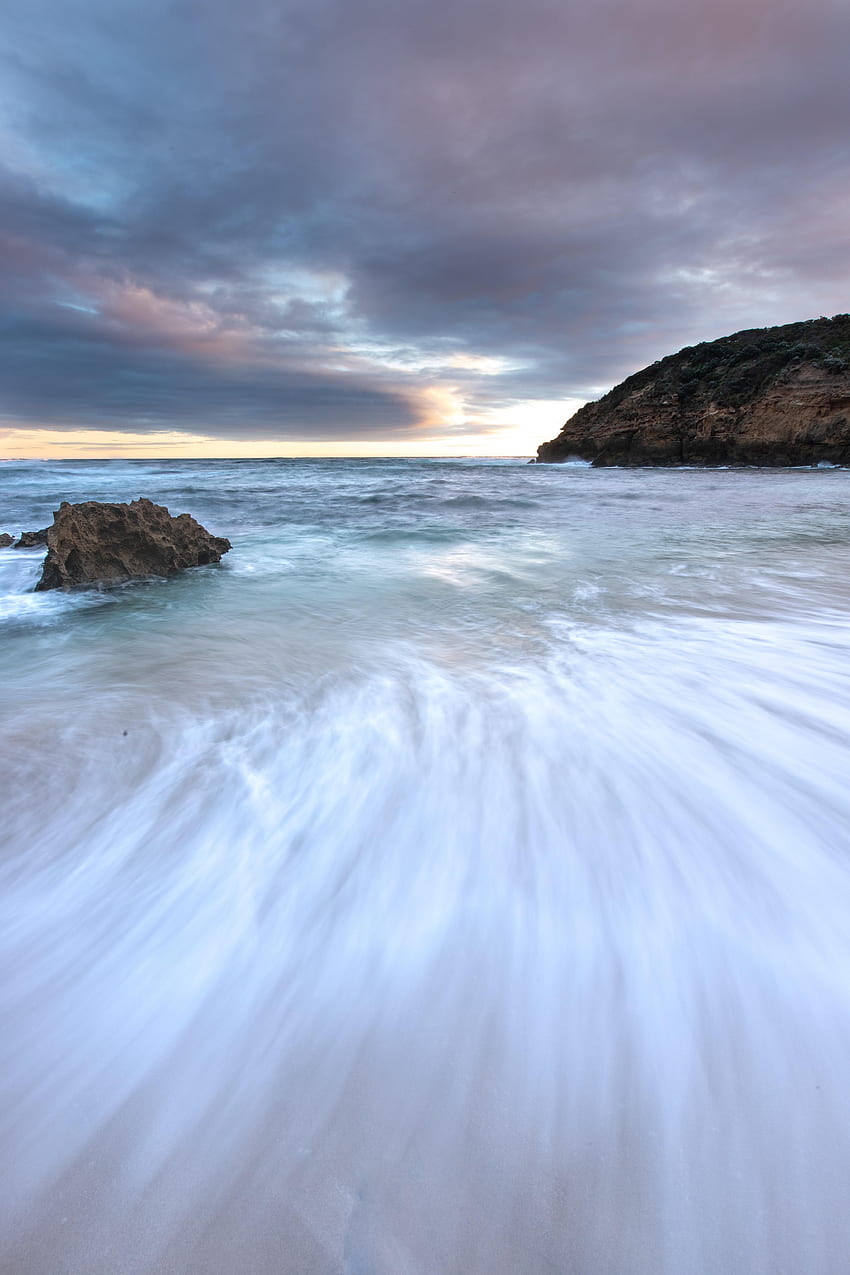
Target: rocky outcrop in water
(94, 543)
(32, 539)
(765, 396)
(6, 540)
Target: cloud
(324, 220)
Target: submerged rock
(32, 539)
(766, 396)
(6, 540)
(94, 543)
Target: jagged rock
(32, 539)
(94, 543)
(766, 396)
(6, 540)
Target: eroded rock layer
(765, 396)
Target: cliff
(765, 396)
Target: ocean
(453, 881)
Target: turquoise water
(455, 879)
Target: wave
(344, 962)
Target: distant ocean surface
(454, 881)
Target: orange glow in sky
(515, 431)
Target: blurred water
(454, 880)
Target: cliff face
(766, 396)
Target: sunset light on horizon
(510, 432)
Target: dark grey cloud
(296, 219)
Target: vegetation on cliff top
(735, 369)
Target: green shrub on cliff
(735, 369)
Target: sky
(354, 227)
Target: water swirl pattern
(453, 881)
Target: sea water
(455, 879)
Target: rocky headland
(97, 543)
(764, 396)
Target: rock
(32, 539)
(765, 396)
(6, 540)
(94, 543)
